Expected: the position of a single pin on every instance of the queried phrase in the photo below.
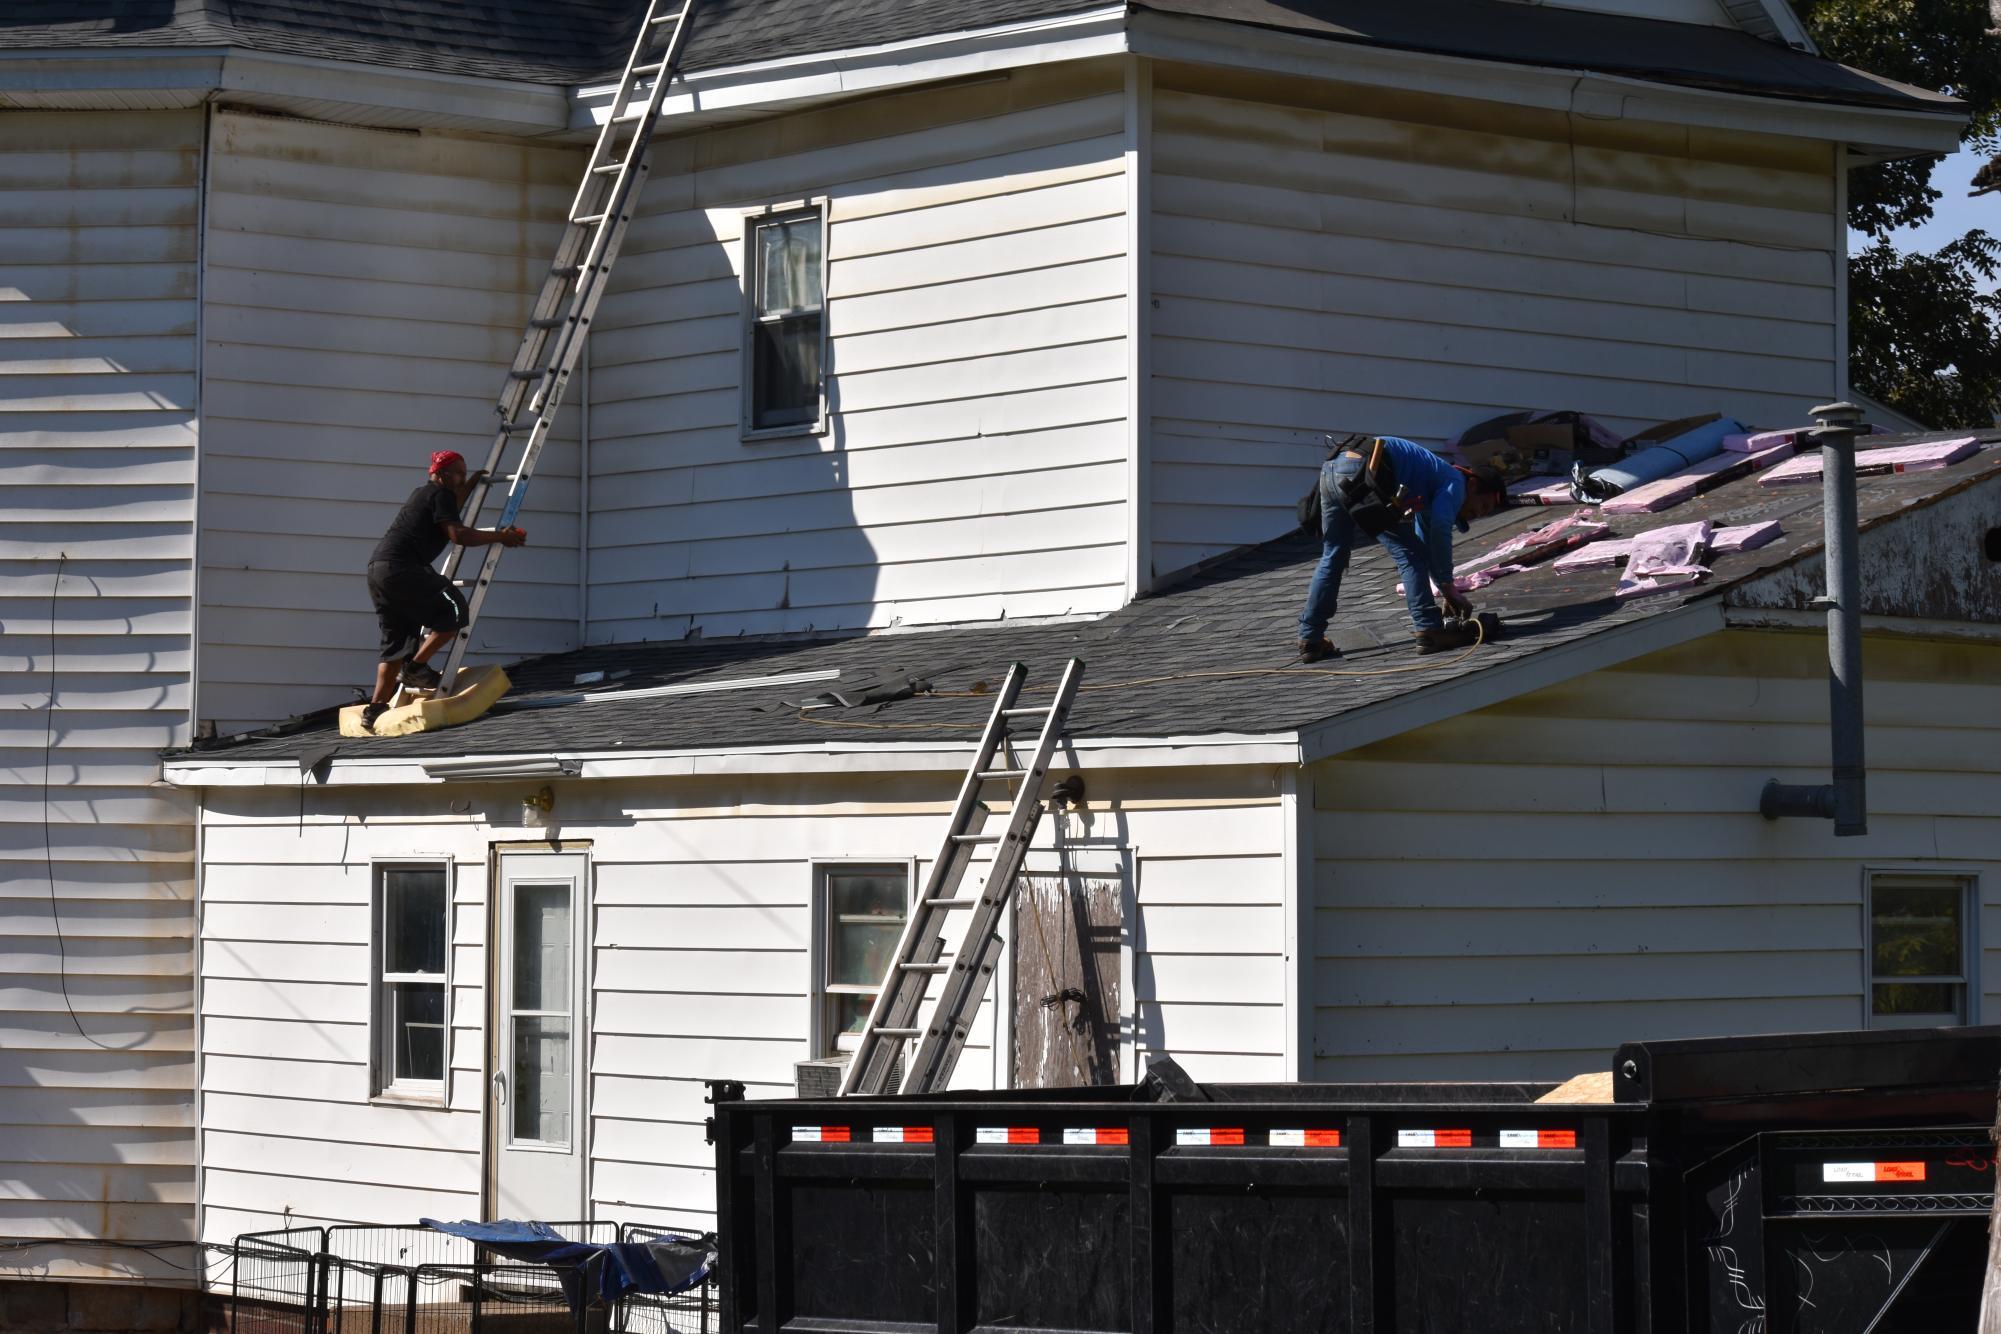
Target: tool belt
(1366, 485)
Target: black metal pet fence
(389, 1279)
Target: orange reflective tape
(1900, 1171)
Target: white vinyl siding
(366, 291)
(1513, 893)
(98, 246)
(1411, 265)
(974, 461)
(701, 930)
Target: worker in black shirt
(411, 597)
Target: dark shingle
(1184, 647)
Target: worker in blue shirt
(1408, 499)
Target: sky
(1954, 215)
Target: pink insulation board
(1693, 480)
(1749, 537)
(1541, 491)
(1608, 552)
(1875, 462)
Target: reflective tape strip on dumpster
(820, 1135)
(1538, 1139)
(1094, 1134)
(1434, 1139)
(1209, 1135)
(1872, 1172)
(1007, 1135)
(1306, 1139)
(903, 1134)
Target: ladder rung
(528, 375)
(1025, 713)
(978, 838)
(567, 270)
(671, 18)
(989, 775)
(899, 1032)
(949, 903)
(553, 322)
(648, 71)
(589, 219)
(926, 967)
(608, 168)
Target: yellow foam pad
(483, 685)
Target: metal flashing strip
(662, 692)
(1224, 749)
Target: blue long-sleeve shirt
(1435, 490)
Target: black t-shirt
(414, 536)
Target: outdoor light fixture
(527, 767)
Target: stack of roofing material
(1667, 448)
(1712, 472)
(1613, 550)
(1875, 462)
(1666, 558)
(1523, 550)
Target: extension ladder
(898, 1017)
(553, 343)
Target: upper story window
(785, 322)
(1920, 950)
(412, 939)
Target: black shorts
(409, 601)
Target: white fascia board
(1887, 627)
(1506, 681)
(832, 757)
(1595, 96)
(1791, 31)
(778, 84)
(497, 106)
(183, 75)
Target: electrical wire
(1289, 669)
(48, 848)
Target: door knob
(500, 1086)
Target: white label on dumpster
(1848, 1171)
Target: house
(1087, 282)
(1498, 864)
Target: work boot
(1315, 650)
(1451, 635)
(370, 712)
(421, 675)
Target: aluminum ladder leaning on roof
(894, 1020)
(553, 343)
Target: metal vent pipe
(1845, 800)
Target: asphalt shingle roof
(1191, 647)
(577, 41)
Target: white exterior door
(539, 1037)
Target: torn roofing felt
(1211, 656)
(579, 41)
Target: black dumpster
(1794, 1184)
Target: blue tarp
(595, 1271)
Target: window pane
(542, 947)
(1940, 999)
(785, 364)
(1916, 930)
(866, 893)
(861, 954)
(850, 1012)
(542, 1080)
(413, 920)
(788, 266)
(417, 1031)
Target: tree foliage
(1924, 329)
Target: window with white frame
(860, 910)
(412, 937)
(1920, 941)
(785, 322)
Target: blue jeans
(1421, 548)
